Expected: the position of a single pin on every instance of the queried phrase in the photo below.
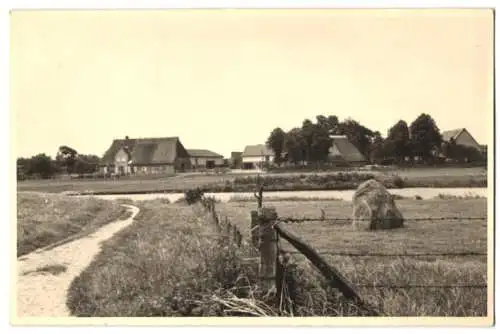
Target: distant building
(205, 159)
(145, 156)
(343, 151)
(461, 137)
(256, 156)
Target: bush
(193, 196)
(398, 181)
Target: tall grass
(174, 262)
(43, 219)
(171, 262)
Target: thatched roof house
(343, 150)
(148, 155)
(461, 137)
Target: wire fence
(288, 220)
(346, 220)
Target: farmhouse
(461, 137)
(256, 156)
(201, 159)
(343, 151)
(145, 156)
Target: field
(433, 277)
(172, 262)
(45, 219)
(446, 177)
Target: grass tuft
(53, 269)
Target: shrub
(193, 196)
(398, 181)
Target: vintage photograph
(253, 162)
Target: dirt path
(44, 277)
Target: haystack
(374, 207)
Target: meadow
(173, 262)
(46, 219)
(424, 177)
(439, 239)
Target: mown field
(44, 219)
(172, 262)
(446, 177)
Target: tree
(42, 165)
(67, 157)
(461, 153)
(425, 137)
(295, 145)
(377, 154)
(86, 163)
(308, 130)
(276, 142)
(399, 136)
(321, 141)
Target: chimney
(126, 137)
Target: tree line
(67, 161)
(420, 141)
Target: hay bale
(374, 207)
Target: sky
(223, 79)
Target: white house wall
(203, 161)
(121, 160)
(334, 151)
(255, 159)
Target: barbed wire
(287, 220)
(348, 254)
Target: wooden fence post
(254, 228)
(236, 236)
(268, 249)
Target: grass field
(172, 262)
(397, 273)
(43, 219)
(446, 177)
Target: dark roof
(203, 153)
(257, 151)
(447, 135)
(349, 152)
(144, 151)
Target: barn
(205, 159)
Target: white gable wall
(334, 151)
(256, 159)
